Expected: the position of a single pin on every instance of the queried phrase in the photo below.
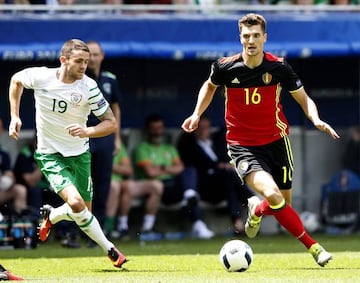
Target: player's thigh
(262, 182)
(71, 195)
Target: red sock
(264, 209)
(289, 219)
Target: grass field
(276, 259)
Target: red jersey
(253, 110)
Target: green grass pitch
(277, 258)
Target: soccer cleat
(321, 256)
(117, 258)
(6, 275)
(253, 222)
(45, 225)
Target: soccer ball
(236, 256)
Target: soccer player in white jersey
(64, 97)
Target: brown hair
(252, 20)
(73, 44)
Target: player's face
(76, 65)
(252, 38)
(96, 56)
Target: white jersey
(58, 105)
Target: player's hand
(15, 127)
(76, 130)
(190, 124)
(325, 127)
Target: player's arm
(106, 127)
(310, 109)
(204, 99)
(15, 92)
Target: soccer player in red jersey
(257, 129)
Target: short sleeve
(97, 101)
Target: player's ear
(62, 59)
(265, 37)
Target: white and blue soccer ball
(236, 256)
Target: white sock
(149, 221)
(123, 222)
(60, 213)
(189, 193)
(88, 223)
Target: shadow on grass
(113, 270)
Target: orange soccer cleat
(45, 225)
(117, 258)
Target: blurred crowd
(182, 2)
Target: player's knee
(274, 197)
(77, 204)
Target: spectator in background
(16, 2)
(51, 2)
(122, 192)
(217, 178)
(28, 174)
(112, 2)
(10, 191)
(103, 149)
(351, 157)
(156, 159)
